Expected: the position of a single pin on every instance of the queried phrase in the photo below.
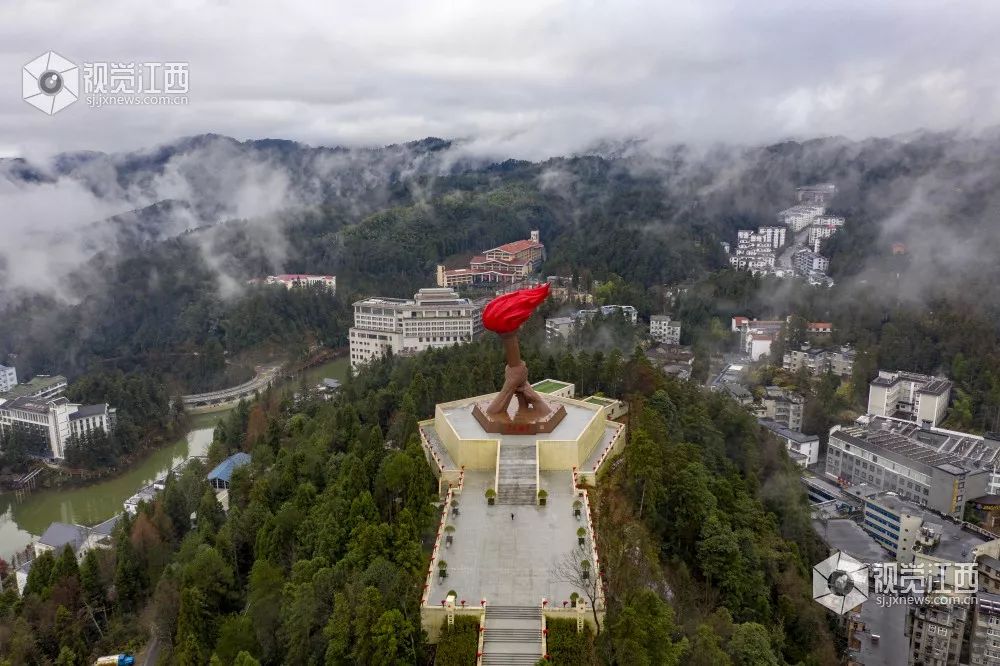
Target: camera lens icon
(840, 582)
(50, 83)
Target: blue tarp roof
(224, 470)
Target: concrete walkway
(510, 562)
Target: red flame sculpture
(506, 313)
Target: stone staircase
(513, 636)
(518, 474)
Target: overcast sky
(521, 78)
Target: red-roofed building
(506, 264)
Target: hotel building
(433, 318)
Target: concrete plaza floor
(467, 427)
(511, 562)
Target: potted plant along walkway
(577, 506)
(491, 496)
(543, 496)
(442, 569)
(581, 536)
(449, 534)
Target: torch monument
(504, 315)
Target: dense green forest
(322, 555)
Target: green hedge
(458, 644)
(565, 646)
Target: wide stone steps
(517, 477)
(512, 659)
(525, 612)
(513, 636)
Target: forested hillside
(322, 555)
(634, 220)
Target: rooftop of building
(783, 431)
(560, 321)
(925, 448)
(549, 385)
(224, 470)
(518, 246)
(85, 411)
(34, 385)
(665, 318)
(60, 534)
(931, 384)
(427, 297)
(301, 276)
(956, 541)
(27, 404)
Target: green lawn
(598, 400)
(549, 386)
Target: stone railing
(615, 439)
(591, 539)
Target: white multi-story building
(819, 361)
(662, 329)
(801, 216)
(48, 425)
(824, 226)
(806, 261)
(291, 281)
(433, 318)
(627, 311)
(910, 396)
(8, 378)
(773, 236)
(784, 407)
(933, 467)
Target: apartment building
(805, 261)
(984, 633)
(782, 406)
(506, 264)
(824, 226)
(800, 216)
(773, 236)
(48, 425)
(930, 467)
(662, 329)
(910, 396)
(433, 318)
(936, 634)
(819, 360)
(8, 378)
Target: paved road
(799, 240)
(261, 381)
